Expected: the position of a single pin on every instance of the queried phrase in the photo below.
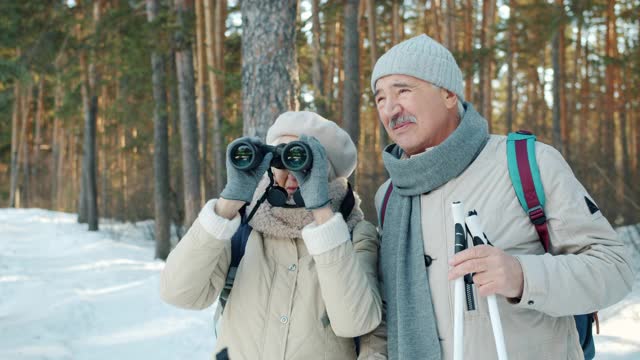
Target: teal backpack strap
(525, 177)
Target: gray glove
(314, 183)
(242, 184)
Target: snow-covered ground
(66, 293)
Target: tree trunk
(634, 120)
(15, 122)
(511, 43)
(332, 40)
(23, 150)
(585, 90)
(609, 96)
(468, 48)
(339, 64)
(436, 9)
(295, 75)
(124, 171)
(351, 105)
(317, 70)
(37, 142)
(371, 28)
(607, 110)
(486, 62)
(557, 83)
(214, 25)
(58, 141)
(562, 82)
(575, 96)
(395, 22)
(88, 205)
(55, 158)
(201, 93)
(60, 174)
(623, 171)
(188, 121)
(268, 55)
(449, 41)
(373, 55)
(90, 107)
(175, 151)
(559, 94)
(160, 147)
(103, 149)
(421, 21)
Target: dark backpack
(525, 178)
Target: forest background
(123, 109)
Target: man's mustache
(401, 119)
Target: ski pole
(459, 295)
(480, 238)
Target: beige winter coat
(587, 269)
(285, 303)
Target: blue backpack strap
(525, 178)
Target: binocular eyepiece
(296, 155)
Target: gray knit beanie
(423, 58)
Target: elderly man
(444, 153)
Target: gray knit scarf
(411, 324)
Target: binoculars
(295, 156)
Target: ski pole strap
(525, 177)
(383, 209)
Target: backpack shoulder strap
(238, 245)
(525, 177)
(383, 208)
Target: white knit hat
(423, 58)
(340, 149)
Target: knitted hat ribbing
(423, 58)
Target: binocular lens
(242, 156)
(296, 157)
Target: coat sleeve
(347, 272)
(373, 346)
(196, 270)
(587, 268)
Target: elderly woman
(307, 283)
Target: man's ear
(450, 98)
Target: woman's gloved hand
(241, 184)
(314, 183)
